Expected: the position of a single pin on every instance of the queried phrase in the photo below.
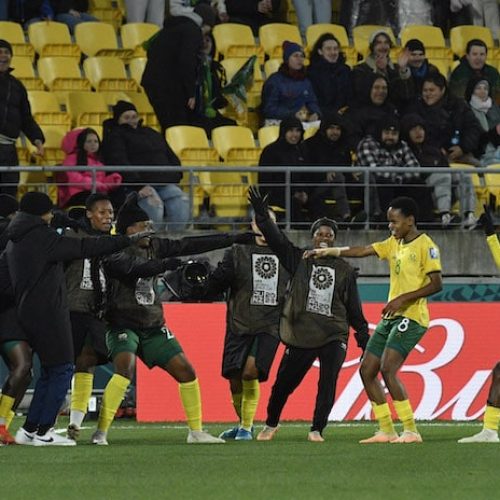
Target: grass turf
(154, 461)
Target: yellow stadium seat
(52, 39)
(112, 97)
(492, 179)
(268, 134)
(236, 40)
(134, 34)
(443, 65)
(13, 32)
(460, 35)
(136, 67)
(87, 109)
(23, 153)
(314, 31)
(46, 109)
(108, 74)
(62, 74)
(273, 35)
(99, 39)
(232, 65)
(431, 36)
(361, 36)
(23, 70)
(271, 66)
(310, 131)
(108, 11)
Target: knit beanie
(36, 203)
(289, 48)
(4, 44)
(130, 213)
(324, 221)
(121, 107)
(415, 44)
(8, 205)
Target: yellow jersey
(409, 267)
(494, 245)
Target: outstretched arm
(340, 252)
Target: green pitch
(154, 462)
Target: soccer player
(415, 273)
(489, 433)
(136, 324)
(256, 284)
(321, 303)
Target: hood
(366, 86)
(22, 224)
(471, 85)
(287, 124)
(68, 144)
(408, 122)
(333, 119)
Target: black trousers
(8, 180)
(292, 370)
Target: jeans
(71, 21)
(312, 12)
(442, 186)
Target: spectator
(72, 12)
(15, 117)
(329, 74)
(478, 95)
(177, 47)
(312, 12)
(82, 147)
(449, 122)
(473, 63)
(379, 62)
(145, 11)
(127, 142)
(385, 149)
(330, 146)
(288, 91)
(413, 131)
(253, 13)
(485, 13)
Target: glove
(172, 264)
(134, 238)
(259, 202)
(487, 221)
(245, 238)
(362, 339)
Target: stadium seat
(443, 65)
(268, 134)
(46, 110)
(271, 66)
(136, 67)
(134, 34)
(232, 65)
(309, 132)
(87, 109)
(460, 35)
(236, 40)
(108, 74)
(22, 68)
(99, 39)
(111, 12)
(52, 39)
(314, 31)
(361, 37)
(13, 32)
(112, 97)
(273, 35)
(492, 179)
(23, 154)
(431, 36)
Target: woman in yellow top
(489, 432)
(415, 273)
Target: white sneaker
(202, 437)
(485, 436)
(24, 437)
(50, 438)
(99, 438)
(470, 221)
(73, 432)
(445, 219)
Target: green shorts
(154, 346)
(401, 334)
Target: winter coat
(34, 257)
(141, 146)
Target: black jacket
(141, 146)
(306, 321)
(34, 257)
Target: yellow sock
(249, 402)
(82, 390)
(236, 398)
(491, 418)
(9, 418)
(383, 415)
(191, 401)
(405, 414)
(6, 404)
(112, 397)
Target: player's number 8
(403, 325)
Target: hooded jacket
(34, 257)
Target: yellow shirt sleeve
(383, 248)
(431, 260)
(494, 245)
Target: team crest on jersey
(433, 253)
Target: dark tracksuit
(321, 304)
